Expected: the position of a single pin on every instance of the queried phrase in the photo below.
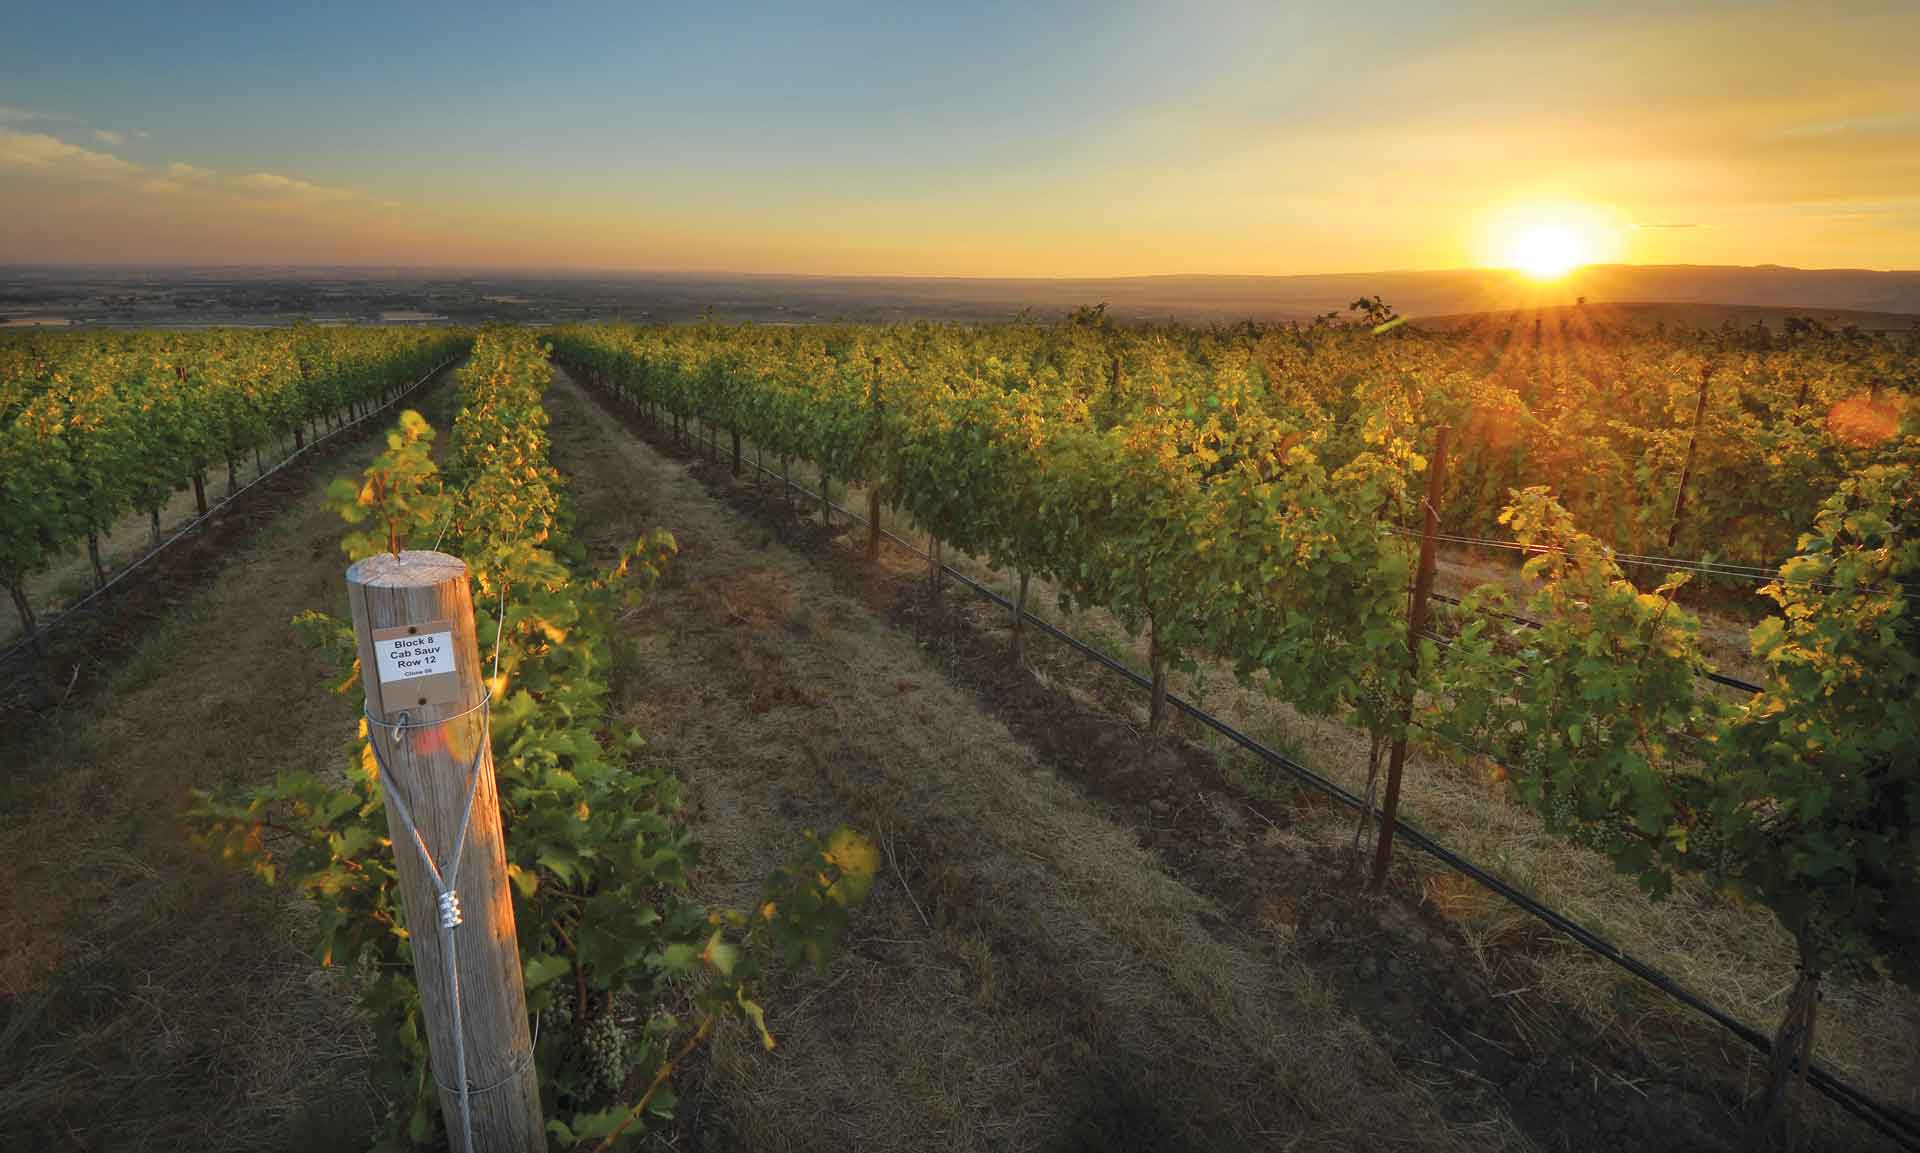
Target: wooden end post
(1416, 625)
(413, 621)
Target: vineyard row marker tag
(415, 666)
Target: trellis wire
(1528, 622)
(1753, 573)
(446, 885)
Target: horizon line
(718, 273)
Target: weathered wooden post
(427, 713)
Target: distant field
(201, 297)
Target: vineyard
(1247, 496)
(1268, 504)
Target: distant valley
(1640, 294)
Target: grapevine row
(95, 425)
(1239, 516)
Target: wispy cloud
(1649, 227)
(274, 184)
(177, 177)
(39, 153)
(50, 157)
(44, 158)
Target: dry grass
(1026, 976)
(1735, 955)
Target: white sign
(422, 655)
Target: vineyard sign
(415, 665)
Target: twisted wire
(446, 884)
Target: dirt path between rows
(152, 996)
(1026, 976)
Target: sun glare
(1546, 251)
(1545, 240)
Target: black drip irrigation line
(1731, 682)
(1529, 622)
(1899, 1127)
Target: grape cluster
(559, 1012)
(605, 1053)
(1562, 812)
(1706, 843)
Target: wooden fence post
(413, 621)
(1416, 625)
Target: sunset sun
(1546, 251)
(1544, 240)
